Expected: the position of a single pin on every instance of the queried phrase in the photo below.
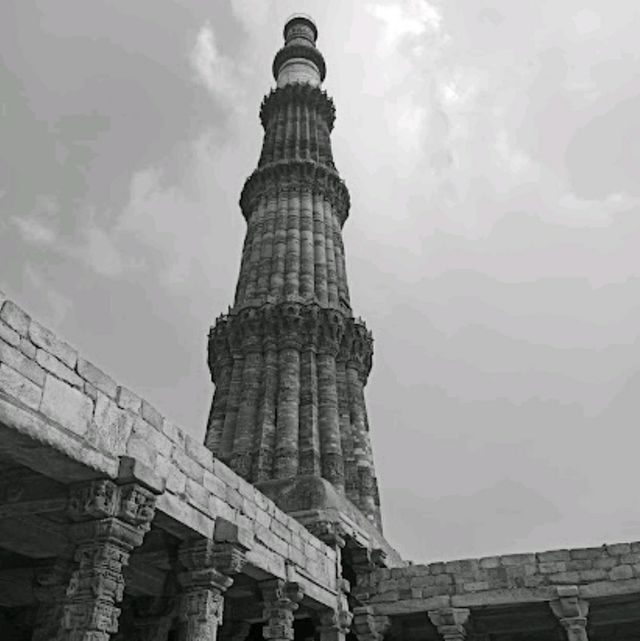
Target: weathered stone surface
(66, 405)
(45, 339)
(20, 386)
(96, 377)
(128, 400)
(9, 335)
(15, 317)
(58, 368)
(111, 425)
(151, 415)
(19, 362)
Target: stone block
(552, 567)
(58, 368)
(490, 562)
(198, 452)
(280, 530)
(96, 377)
(233, 498)
(152, 435)
(222, 471)
(475, 586)
(604, 563)
(111, 426)
(214, 484)
(21, 364)
(45, 339)
(151, 415)
(587, 553)
(139, 448)
(226, 531)
(197, 495)
(127, 400)
(133, 471)
(9, 335)
(66, 405)
(517, 559)
(27, 348)
(90, 391)
(185, 463)
(564, 578)
(14, 317)
(176, 479)
(185, 514)
(617, 549)
(219, 508)
(554, 555)
(579, 564)
(593, 575)
(174, 433)
(434, 568)
(15, 384)
(621, 572)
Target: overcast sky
(491, 150)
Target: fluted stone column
(109, 522)
(451, 623)
(209, 572)
(290, 403)
(571, 612)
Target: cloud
(87, 243)
(402, 19)
(212, 69)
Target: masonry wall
(598, 571)
(52, 397)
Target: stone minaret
(289, 361)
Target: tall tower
(290, 361)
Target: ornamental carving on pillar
(110, 520)
(572, 612)
(367, 626)
(280, 600)
(451, 623)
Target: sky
(491, 150)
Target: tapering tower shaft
(289, 361)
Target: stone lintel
(451, 623)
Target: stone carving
(335, 625)
(451, 622)
(110, 520)
(572, 612)
(367, 626)
(209, 570)
(280, 600)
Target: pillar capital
(334, 625)
(280, 600)
(209, 570)
(108, 521)
(451, 623)
(571, 612)
(368, 626)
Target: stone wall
(597, 572)
(63, 416)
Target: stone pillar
(367, 626)
(451, 623)
(50, 590)
(209, 570)
(110, 520)
(572, 612)
(335, 625)
(280, 600)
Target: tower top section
(299, 61)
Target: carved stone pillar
(334, 626)
(451, 622)
(50, 590)
(110, 520)
(367, 626)
(209, 570)
(280, 600)
(571, 612)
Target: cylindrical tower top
(299, 60)
(300, 25)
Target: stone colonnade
(79, 594)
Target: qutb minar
(115, 525)
(290, 361)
